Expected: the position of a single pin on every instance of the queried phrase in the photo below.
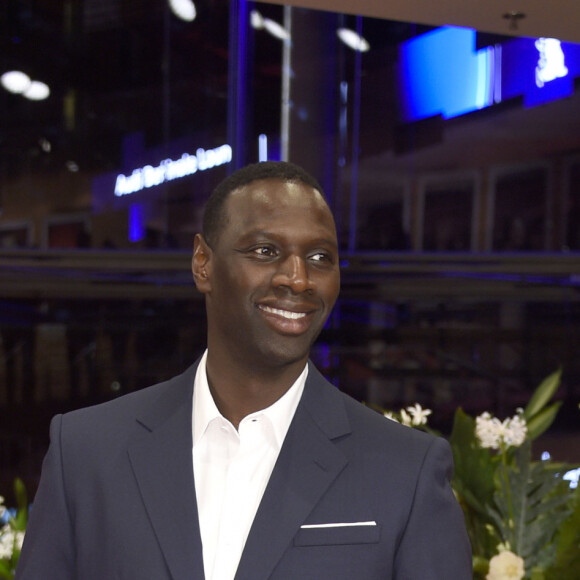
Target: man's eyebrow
(267, 234)
(327, 242)
(260, 233)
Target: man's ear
(201, 264)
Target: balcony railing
(396, 276)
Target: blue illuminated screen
(443, 73)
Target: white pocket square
(338, 525)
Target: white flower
(506, 566)
(410, 417)
(491, 432)
(418, 414)
(6, 542)
(10, 540)
(406, 418)
(487, 430)
(515, 430)
(19, 540)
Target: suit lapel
(162, 464)
(308, 463)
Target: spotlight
(15, 81)
(353, 40)
(37, 91)
(183, 9)
(259, 22)
(45, 144)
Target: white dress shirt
(232, 468)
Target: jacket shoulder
(118, 416)
(361, 418)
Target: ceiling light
(256, 20)
(15, 81)
(514, 16)
(353, 40)
(45, 144)
(37, 91)
(259, 22)
(183, 9)
(275, 29)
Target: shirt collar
(279, 413)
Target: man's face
(272, 275)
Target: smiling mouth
(284, 313)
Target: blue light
(441, 73)
(136, 222)
(524, 60)
(262, 147)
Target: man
(250, 464)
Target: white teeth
(284, 313)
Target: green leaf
(474, 466)
(20, 493)
(5, 571)
(543, 394)
(542, 421)
(480, 565)
(21, 519)
(569, 537)
(537, 574)
(546, 505)
(473, 483)
(518, 479)
(567, 566)
(532, 508)
(554, 502)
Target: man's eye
(265, 251)
(320, 257)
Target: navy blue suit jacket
(116, 500)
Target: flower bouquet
(12, 528)
(522, 516)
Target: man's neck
(239, 391)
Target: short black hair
(213, 216)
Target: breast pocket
(338, 535)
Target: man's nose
(293, 273)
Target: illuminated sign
(551, 63)
(171, 169)
(525, 61)
(442, 73)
